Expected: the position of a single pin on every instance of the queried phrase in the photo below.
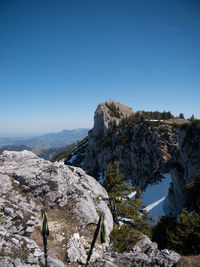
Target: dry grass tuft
(62, 224)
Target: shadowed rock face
(145, 150)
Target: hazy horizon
(34, 134)
(56, 130)
(60, 59)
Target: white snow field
(154, 195)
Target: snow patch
(131, 195)
(72, 159)
(151, 206)
(154, 196)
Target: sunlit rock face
(28, 184)
(104, 118)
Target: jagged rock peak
(107, 114)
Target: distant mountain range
(50, 140)
(46, 146)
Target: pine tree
(187, 235)
(181, 116)
(181, 234)
(192, 118)
(126, 211)
(117, 190)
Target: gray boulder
(53, 184)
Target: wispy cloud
(133, 70)
(171, 28)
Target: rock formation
(105, 116)
(145, 149)
(72, 198)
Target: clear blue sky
(60, 59)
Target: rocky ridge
(146, 150)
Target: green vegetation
(130, 218)
(65, 154)
(192, 118)
(165, 131)
(192, 128)
(181, 116)
(162, 232)
(192, 191)
(123, 237)
(114, 111)
(145, 116)
(192, 136)
(181, 234)
(149, 115)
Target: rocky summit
(73, 201)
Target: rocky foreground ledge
(73, 201)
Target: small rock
(38, 252)
(76, 236)
(14, 230)
(136, 249)
(109, 264)
(16, 183)
(30, 223)
(15, 241)
(29, 230)
(8, 211)
(32, 259)
(154, 245)
(166, 251)
(17, 262)
(6, 263)
(53, 262)
(20, 229)
(31, 244)
(96, 256)
(19, 214)
(144, 241)
(9, 223)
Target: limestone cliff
(145, 148)
(106, 115)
